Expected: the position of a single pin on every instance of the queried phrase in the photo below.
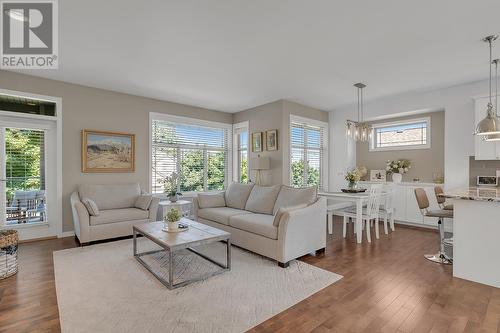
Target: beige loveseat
(109, 211)
(279, 222)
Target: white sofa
(117, 210)
(279, 222)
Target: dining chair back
(372, 209)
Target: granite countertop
(475, 193)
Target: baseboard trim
(37, 239)
(67, 234)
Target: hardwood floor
(387, 287)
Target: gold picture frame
(272, 140)
(107, 152)
(257, 142)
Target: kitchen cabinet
(484, 150)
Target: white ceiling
(231, 55)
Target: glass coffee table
(171, 244)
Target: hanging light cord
(491, 60)
(496, 86)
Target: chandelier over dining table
(360, 130)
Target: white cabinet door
(413, 213)
(484, 150)
(399, 202)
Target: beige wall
(276, 115)
(90, 108)
(425, 162)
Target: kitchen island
(476, 234)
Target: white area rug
(102, 288)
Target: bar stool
(423, 205)
(438, 190)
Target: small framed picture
(378, 175)
(257, 142)
(272, 140)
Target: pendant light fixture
(490, 125)
(495, 137)
(359, 130)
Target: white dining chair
(387, 209)
(369, 213)
(333, 208)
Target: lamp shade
(260, 163)
(489, 125)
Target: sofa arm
(153, 209)
(302, 231)
(81, 218)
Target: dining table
(359, 199)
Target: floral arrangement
(400, 166)
(170, 184)
(173, 215)
(353, 176)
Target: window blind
(307, 153)
(199, 154)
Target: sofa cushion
(237, 194)
(220, 214)
(211, 200)
(282, 210)
(262, 199)
(260, 224)
(91, 206)
(112, 196)
(292, 196)
(143, 201)
(119, 215)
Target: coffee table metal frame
(187, 245)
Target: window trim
(189, 121)
(238, 128)
(324, 162)
(372, 148)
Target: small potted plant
(170, 186)
(172, 219)
(353, 178)
(397, 169)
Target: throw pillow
(91, 206)
(291, 196)
(143, 201)
(211, 200)
(282, 210)
(237, 194)
(262, 199)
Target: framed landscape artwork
(107, 151)
(272, 140)
(378, 175)
(257, 142)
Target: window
(241, 172)
(308, 140)
(409, 134)
(197, 150)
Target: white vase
(173, 225)
(397, 177)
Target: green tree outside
(22, 165)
